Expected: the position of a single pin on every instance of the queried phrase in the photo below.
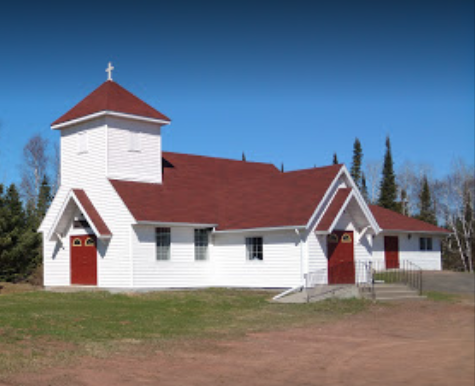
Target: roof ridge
(218, 158)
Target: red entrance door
(391, 251)
(83, 260)
(341, 266)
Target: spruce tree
(357, 161)
(335, 159)
(44, 200)
(426, 206)
(388, 187)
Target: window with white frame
(201, 244)
(82, 142)
(425, 243)
(134, 141)
(163, 241)
(254, 248)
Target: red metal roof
(389, 220)
(231, 194)
(110, 96)
(333, 209)
(92, 213)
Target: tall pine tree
(357, 162)
(335, 159)
(388, 188)
(426, 205)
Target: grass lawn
(41, 328)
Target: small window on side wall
(163, 241)
(201, 244)
(425, 243)
(254, 248)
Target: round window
(346, 238)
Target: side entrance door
(391, 251)
(341, 264)
(83, 260)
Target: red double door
(83, 260)
(391, 251)
(341, 264)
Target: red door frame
(391, 251)
(341, 260)
(83, 259)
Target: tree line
(447, 202)
(22, 208)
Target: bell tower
(110, 134)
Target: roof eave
(263, 229)
(444, 233)
(100, 114)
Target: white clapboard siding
(181, 271)
(409, 250)
(279, 268)
(134, 151)
(88, 171)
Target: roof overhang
(80, 199)
(263, 229)
(175, 224)
(104, 113)
(439, 233)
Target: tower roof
(111, 97)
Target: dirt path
(423, 343)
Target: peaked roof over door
(111, 97)
(78, 198)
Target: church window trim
(135, 142)
(163, 243)
(82, 143)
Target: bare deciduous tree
(455, 203)
(34, 168)
(409, 179)
(373, 176)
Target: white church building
(129, 215)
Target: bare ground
(419, 343)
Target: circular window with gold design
(77, 242)
(333, 238)
(346, 238)
(89, 242)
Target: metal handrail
(366, 273)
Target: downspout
(297, 232)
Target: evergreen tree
(357, 162)
(243, 156)
(282, 167)
(19, 241)
(335, 159)
(426, 206)
(388, 187)
(44, 200)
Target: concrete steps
(388, 292)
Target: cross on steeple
(109, 71)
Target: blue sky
(289, 82)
